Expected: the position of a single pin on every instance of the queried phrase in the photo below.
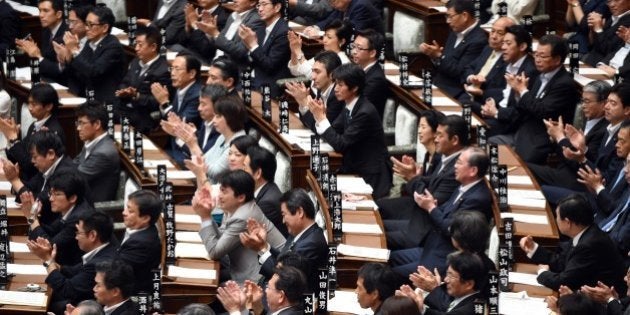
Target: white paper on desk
(440, 9)
(413, 79)
(591, 71)
(525, 218)
(190, 250)
(582, 80)
(37, 299)
(187, 218)
(347, 302)
(155, 163)
(304, 141)
(361, 228)
(365, 252)
(520, 180)
(20, 269)
(175, 174)
(526, 193)
(17, 247)
(68, 101)
(11, 204)
(390, 66)
(443, 101)
(353, 205)
(170, 55)
(117, 31)
(514, 200)
(524, 278)
(353, 184)
(124, 42)
(518, 303)
(187, 237)
(23, 74)
(192, 273)
(5, 185)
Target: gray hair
(90, 307)
(600, 88)
(196, 309)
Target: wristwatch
(300, 57)
(47, 263)
(30, 220)
(575, 4)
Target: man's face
(206, 108)
(457, 21)
(43, 162)
(512, 51)
(38, 110)
(361, 52)
(366, 300)
(215, 76)
(102, 295)
(623, 142)
(618, 7)
(268, 11)
(275, 297)
(443, 143)
(76, 26)
(344, 93)
(614, 110)
(292, 221)
(564, 225)
(591, 107)
(59, 202)
(228, 201)
(463, 170)
(48, 17)
(95, 29)
(87, 130)
(545, 62)
(455, 286)
(320, 77)
(179, 75)
(495, 40)
(84, 239)
(145, 51)
(132, 217)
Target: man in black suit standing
(195, 40)
(365, 51)
(463, 45)
(170, 17)
(134, 98)
(357, 133)
(604, 32)
(141, 246)
(114, 287)
(9, 27)
(590, 256)
(306, 237)
(553, 95)
(98, 161)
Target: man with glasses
(463, 45)
(365, 51)
(98, 161)
(604, 31)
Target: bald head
(498, 31)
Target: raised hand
(208, 25)
(231, 296)
(248, 36)
(203, 203)
(592, 179)
(425, 279)
(527, 244)
(425, 201)
(405, 168)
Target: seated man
(170, 17)
(375, 283)
(618, 61)
(236, 198)
(67, 198)
(134, 98)
(588, 258)
(195, 40)
(75, 283)
(141, 247)
(473, 195)
(224, 71)
(306, 237)
(617, 223)
(47, 153)
(43, 102)
(463, 45)
(98, 161)
(365, 51)
(114, 286)
(603, 31)
(357, 132)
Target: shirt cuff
(166, 110)
(205, 224)
(303, 110)
(235, 313)
(264, 256)
(599, 189)
(531, 254)
(322, 126)
(253, 48)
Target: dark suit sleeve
(266, 269)
(582, 260)
(335, 14)
(318, 10)
(454, 65)
(89, 67)
(174, 23)
(554, 101)
(308, 120)
(341, 139)
(71, 284)
(277, 55)
(236, 48)
(9, 29)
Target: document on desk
(37, 299)
(23, 73)
(155, 163)
(524, 278)
(591, 71)
(518, 303)
(187, 218)
(361, 228)
(441, 9)
(359, 204)
(188, 237)
(525, 218)
(21, 269)
(302, 138)
(413, 79)
(189, 250)
(117, 31)
(175, 174)
(192, 273)
(526, 198)
(443, 101)
(17, 247)
(353, 184)
(520, 180)
(5, 185)
(346, 302)
(365, 252)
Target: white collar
(86, 258)
(615, 19)
(111, 309)
(446, 159)
(183, 90)
(55, 29)
(132, 231)
(270, 27)
(458, 300)
(612, 130)
(518, 63)
(576, 239)
(590, 123)
(550, 74)
(89, 144)
(326, 93)
(257, 191)
(65, 216)
(240, 16)
(52, 168)
(465, 188)
(280, 310)
(95, 44)
(463, 33)
(369, 66)
(40, 123)
(297, 237)
(149, 63)
(211, 10)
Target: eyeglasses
(55, 194)
(450, 17)
(72, 22)
(262, 4)
(355, 47)
(90, 24)
(451, 276)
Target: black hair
(292, 282)
(292, 259)
(456, 126)
(374, 38)
(94, 111)
(105, 16)
(577, 303)
(577, 209)
(228, 68)
(352, 75)
(461, 6)
(81, 11)
(298, 198)
(70, 183)
(281, 3)
(244, 143)
(559, 47)
(329, 59)
(117, 274)
(395, 305)
(152, 36)
(57, 5)
(263, 160)
(45, 140)
(379, 277)
(233, 110)
(432, 117)
(192, 63)
(99, 222)
(213, 92)
(148, 202)
(469, 266)
(44, 94)
(470, 229)
(343, 30)
(521, 36)
(240, 182)
(622, 90)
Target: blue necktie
(606, 226)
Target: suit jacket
(127, 308)
(309, 14)
(594, 258)
(142, 251)
(268, 200)
(49, 67)
(465, 307)
(607, 199)
(100, 70)
(173, 21)
(9, 27)
(376, 88)
(450, 67)
(270, 59)
(620, 232)
(495, 79)
(558, 98)
(311, 246)
(224, 241)
(606, 42)
(139, 110)
(333, 109)
(361, 14)
(361, 141)
(20, 153)
(197, 41)
(440, 184)
(188, 108)
(607, 160)
(73, 284)
(235, 48)
(101, 169)
(62, 233)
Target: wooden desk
(178, 292)
(533, 291)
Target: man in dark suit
(604, 31)
(472, 195)
(375, 283)
(405, 224)
(170, 17)
(9, 27)
(47, 152)
(268, 48)
(141, 247)
(590, 256)
(67, 192)
(100, 66)
(75, 283)
(361, 14)
(618, 61)
(499, 111)
(485, 77)
(305, 13)
(53, 29)
(195, 40)
(365, 51)
(134, 98)
(261, 164)
(43, 102)
(357, 133)
(113, 287)
(224, 71)
(98, 161)
(463, 45)
(306, 237)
